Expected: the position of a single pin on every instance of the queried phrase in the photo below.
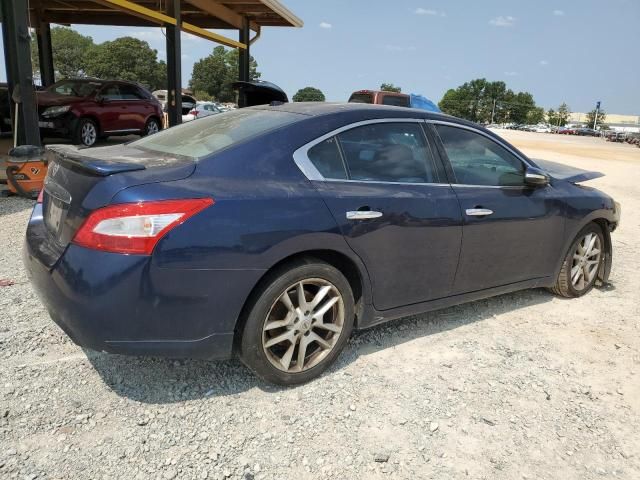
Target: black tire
(152, 126)
(252, 352)
(564, 287)
(82, 134)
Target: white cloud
(502, 21)
(325, 25)
(399, 48)
(428, 11)
(558, 13)
(511, 74)
(543, 63)
(149, 35)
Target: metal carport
(192, 16)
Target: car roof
(315, 109)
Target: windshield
(213, 133)
(75, 88)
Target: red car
(86, 109)
(380, 98)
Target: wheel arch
(351, 268)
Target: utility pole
(493, 110)
(595, 119)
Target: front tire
(86, 133)
(298, 323)
(152, 126)
(580, 267)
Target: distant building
(619, 123)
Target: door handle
(363, 214)
(478, 212)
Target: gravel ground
(524, 385)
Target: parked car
(587, 132)
(188, 103)
(272, 232)
(567, 131)
(202, 109)
(87, 109)
(380, 98)
(541, 128)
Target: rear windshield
(395, 100)
(361, 98)
(207, 135)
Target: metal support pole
(243, 59)
(174, 65)
(493, 110)
(45, 54)
(17, 54)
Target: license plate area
(54, 212)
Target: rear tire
(580, 267)
(86, 132)
(152, 126)
(298, 322)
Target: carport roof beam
(161, 18)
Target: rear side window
(215, 132)
(130, 92)
(395, 100)
(478, 160)
(326, 157)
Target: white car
(201, 109)
(541, 129)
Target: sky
(574, 51)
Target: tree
(309, 94)
(216, 73)
(127, 58)
(483, 101)
(552, 117)
(535, 115)
(69, 49)
(390, 87)
(591, 117)
(202, 96)
(564, 112)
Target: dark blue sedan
(275, 231)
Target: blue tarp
(423, 103)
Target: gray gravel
(524, 385)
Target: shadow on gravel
(160, 381)
(14, 204)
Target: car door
(386, 191)
(136, 107)
(111, 108)
(511, 232)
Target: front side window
(111, 92)
(388, 152)
(395, 100)
(75, 88)
(478, 160)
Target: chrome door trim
(301, 158)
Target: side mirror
(535, 177)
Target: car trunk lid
(81, 180)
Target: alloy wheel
(152, 127)
(89, 134)
(586, 260)
(303, 325)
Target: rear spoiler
(75, 159)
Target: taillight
(40, 196)
(135, 228)
(194, 112)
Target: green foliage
(390, 87)
(215, 74)
(552, 117)
(535, 115)
(69, 49)
(202, 96)
(564, 112)
(127, 58)
(478, 99)
(309, 94)
(591, 116)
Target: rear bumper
(124, 304)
